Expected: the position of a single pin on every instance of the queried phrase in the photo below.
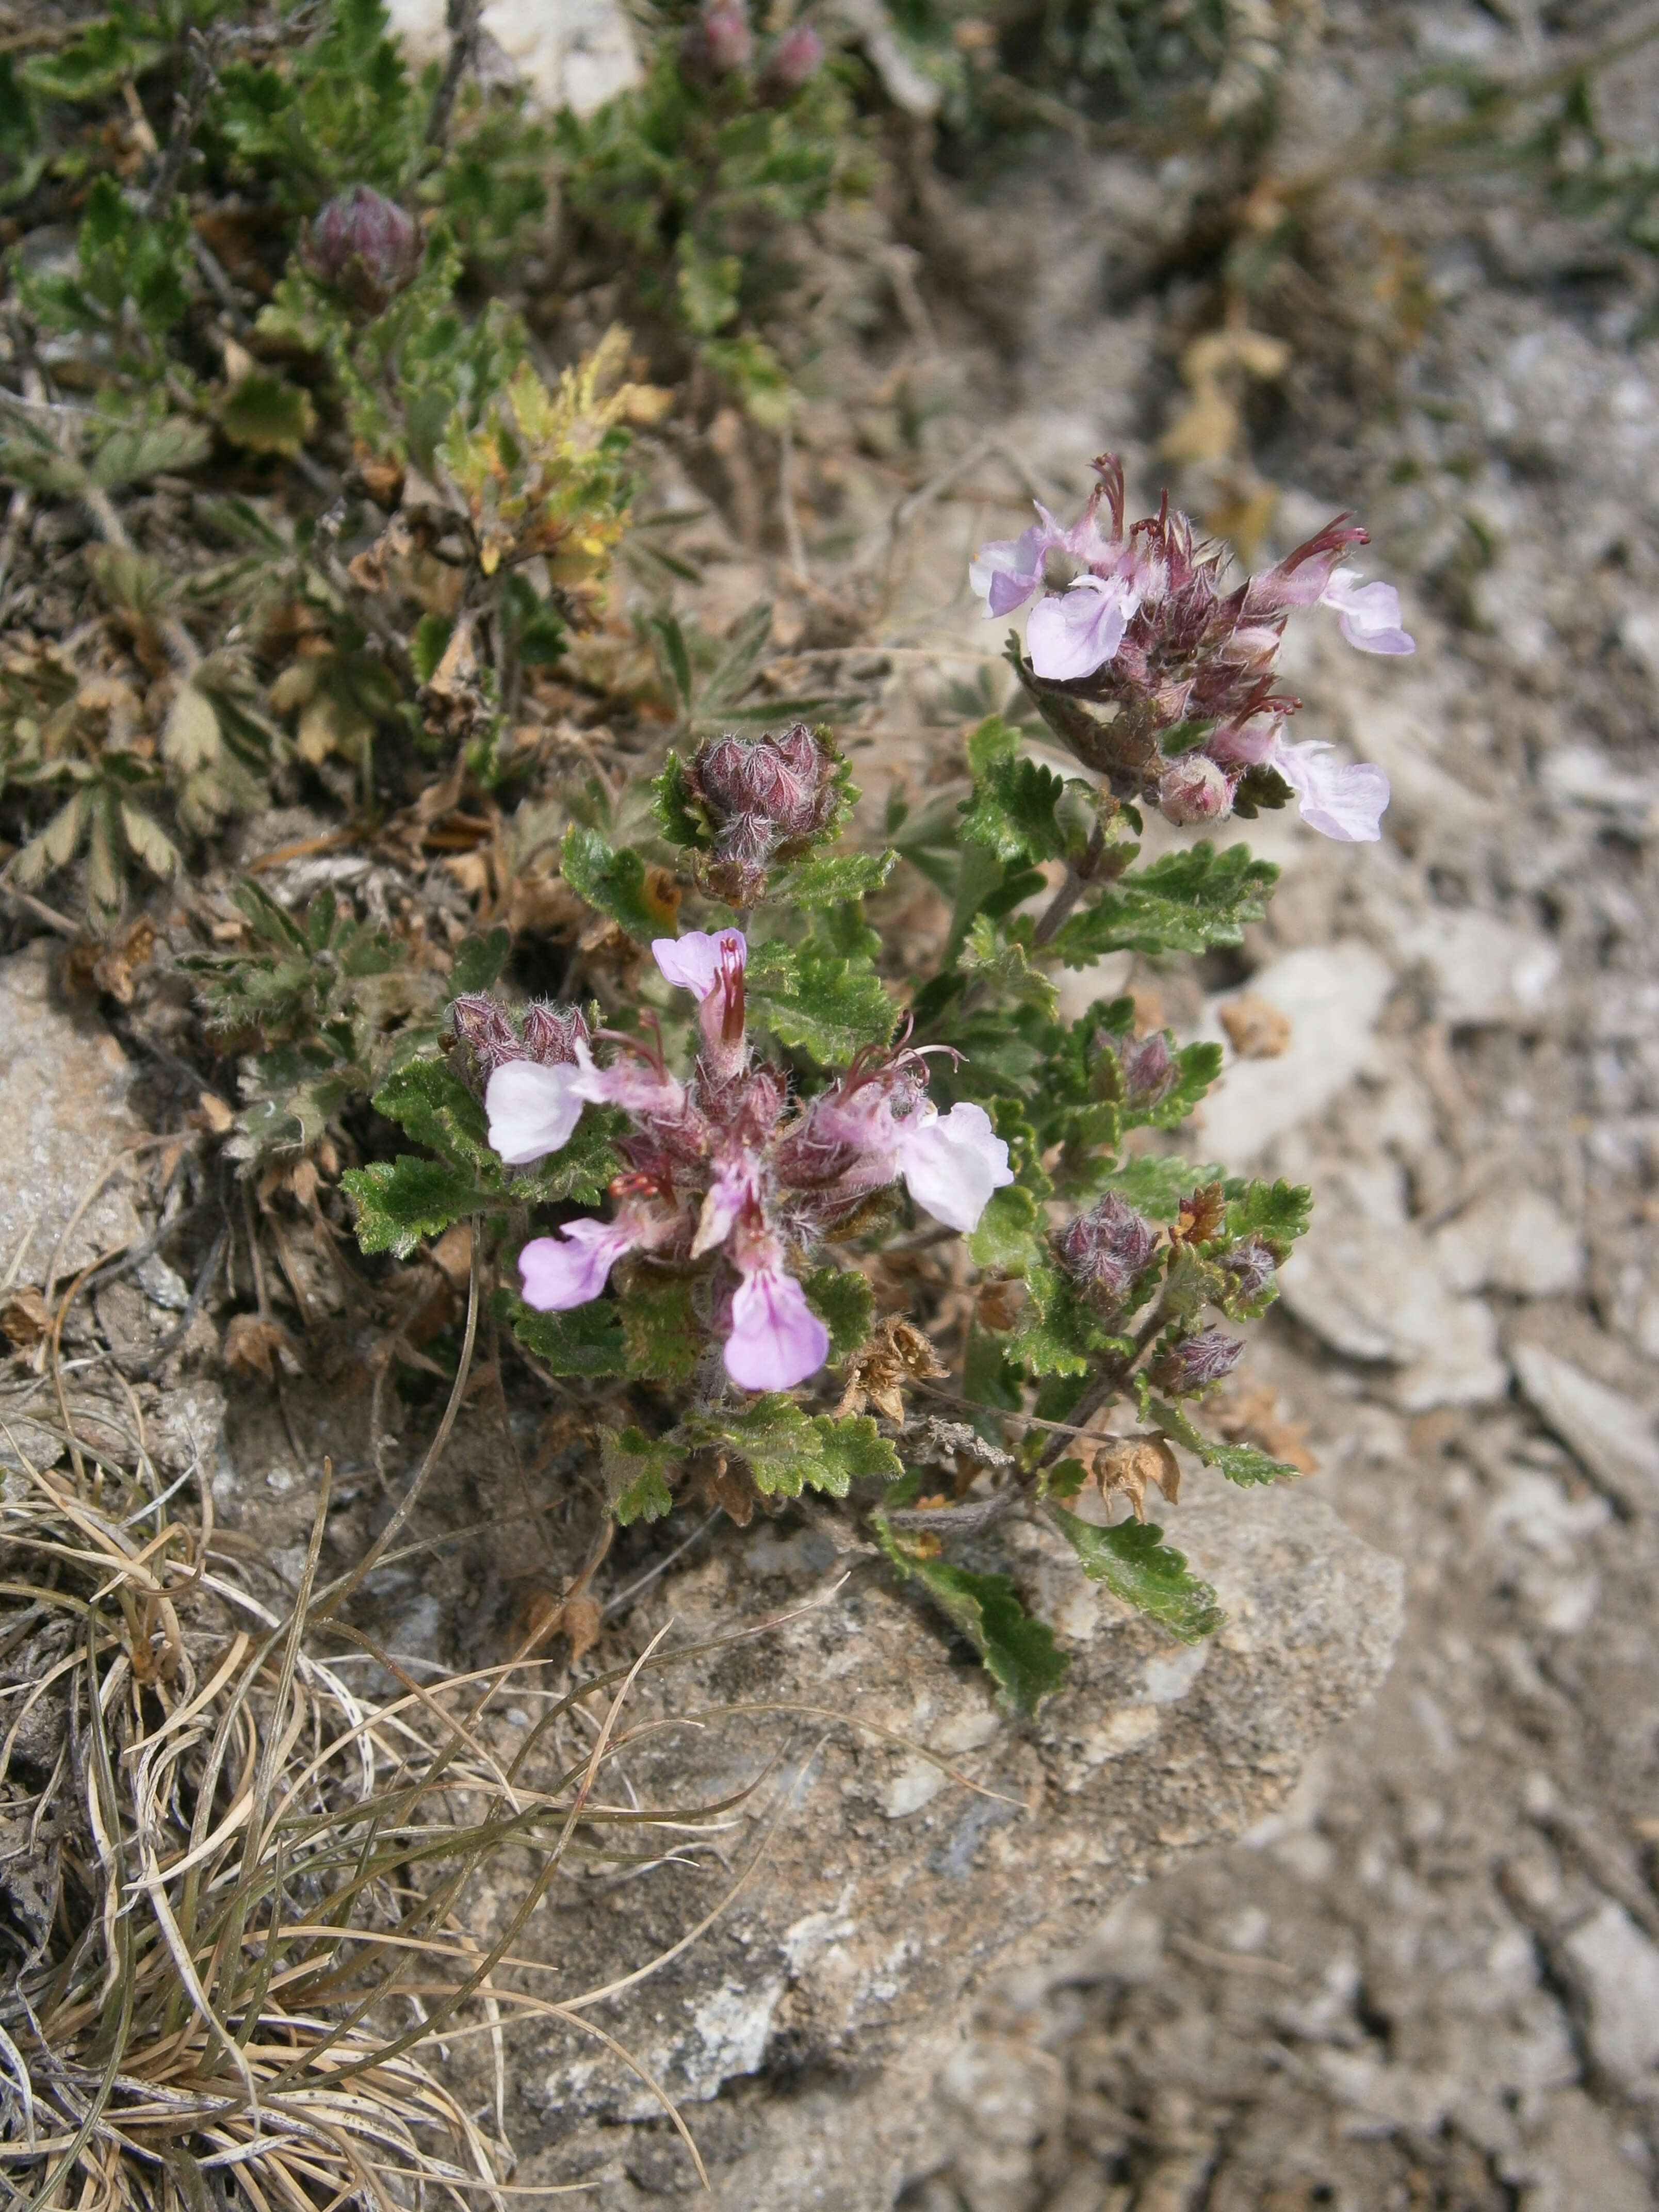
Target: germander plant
(696, 1195)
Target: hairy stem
(1079, 874)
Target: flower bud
(1108, 1249)
(1148, 1069)
(480, 1024)
(792, 62)
(1196, 1362)
(718, 42)
(365, 245)
(552, 1033)
(1193, 789)
(1249, 1267)
(767, 797)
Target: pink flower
(697, 960)
(712, 966)
(1074, 632)
(533, 1108)
(1006, 573)
(1368, 615)
(777, 1340)
(573, 1268)
(735, 1188)
(951, 1163)
(1344, 801)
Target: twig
(39, 909)
(1079, 874)
(464, 20)
(188, 103)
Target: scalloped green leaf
(1134, 1563)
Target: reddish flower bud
(365, 245)
(718, 42)
(1250, 1267)
(552, 1033)
(1108, 1249)
(1148, 1071)
(1193, 789)
(477, 1021)
(792, 62)
(1193, 1364)
(768, 797)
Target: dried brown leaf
(1129, 1463)
(254, 1347)
(897, 1353)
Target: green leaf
(1278, 1212)
(635, 1470)
(786, 1451)
(826, 1005)
(93, 65)
(585, 1340)
(1185, 903)
(750, 366)
(428, 1102)
(666, 1333)
(1155, 1183)
(427, 646)
(675, 657)
(1018, 1652)
(679, 815)
(736, 670)
(854, 1450)
(707, 290)
(639, 899)
(128, 456)
(830, 877)
(1013, 808)
(400, 1201)
(1009, 1237)
(479, 961)
(1136, 1565)
(267, 416)
(1241, 1463)
(844, 1301)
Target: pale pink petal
(1368, 615)
(952, 1162)
(776, 1339)
(573, 1268)
(532, 1109)
(692, 962)
(1005, 572)
(731, 1189)
(1344, 801)
(1073, 632)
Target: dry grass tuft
(234, 1888)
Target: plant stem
(1079, 875)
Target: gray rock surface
(889, 1904)
(63, 1117)
(1610, 1436)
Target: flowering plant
(793, 1135)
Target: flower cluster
(719, 42)
(1139, 620)
(724, 1173)
(766, 799)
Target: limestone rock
(1616, 1969)
(1609, 1436)
(572, 53)
(63, 1115)
(1370, 1289)
(1332, 995)
(1485, 971)
(850, 1966)
(1515, 1241)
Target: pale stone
(1370, 1289)
(1485, 971)
(1610, 1436)
(1332, 995)
(63, 1118)
(571, 53)
(1516, 1241)
(1617, 1968)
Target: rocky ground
(1433, 1980)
